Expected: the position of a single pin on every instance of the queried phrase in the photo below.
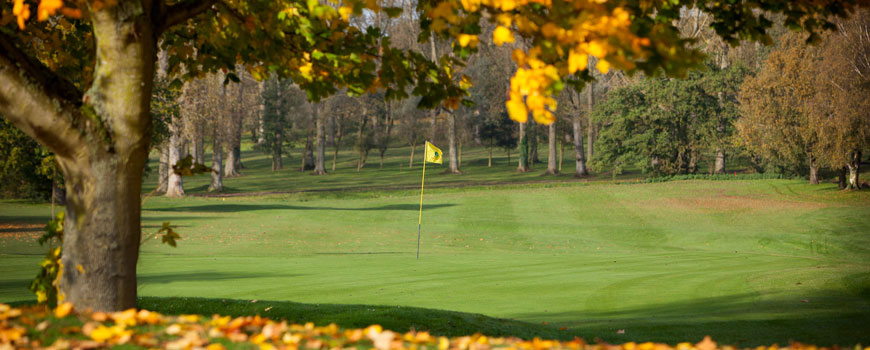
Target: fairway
(747, 262)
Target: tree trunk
(814, 169)
(720, 161)
(579, 156)
(532, 133)
(330, 128)
(489, 159)
(230, 163)
(198, 146)
(278, 150)
(561, 154)
(102, 225)
(362, 146)
(163, 169)
(217, 177)
(551, 150)
(174, 186)
(308, 155)
(522, 164)
(854, 169)
(453, 166)
(319, 162)
(590, 124)
(460, 152)
(841, 177)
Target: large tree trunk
(854, 169)
(523, 163)
(453, 166)
(551, 150)
(103, 178)
(278, 150)
(174, 185)
(814, 169)
(319, 162)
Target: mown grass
(749, 262)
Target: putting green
(744, 261)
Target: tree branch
(169, 16)
(38, 101)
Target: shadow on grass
(228, 208)
(742, 320)
(744, 326)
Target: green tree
(25, 167)
(660, 125)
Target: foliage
(26, 168)
(633, 36)
(46, 283)
(147, 329)
(662, 125)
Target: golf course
(747, 262)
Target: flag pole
(420, 219)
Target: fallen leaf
(706, 344)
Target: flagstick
(420, 220)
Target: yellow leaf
(517, 110)
(102, 333)
(603, 66)
(63, 309)
(345, 13)
(467, 39)
(597, 49)
(502, 35)
(577, 61)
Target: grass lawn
(747, 262)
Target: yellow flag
(433, 154)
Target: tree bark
(102, 226)
(489, 159)
(590, 124)
(174, 185)
(308, 155)
(163, 169)
(217, 177)
(814, 169)
(551, 150)
(720, 161)
(319, 161)
(841, 177)
(453, 166)
(854, 169)
(522, 164)
(532, 133)
(579, 155)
